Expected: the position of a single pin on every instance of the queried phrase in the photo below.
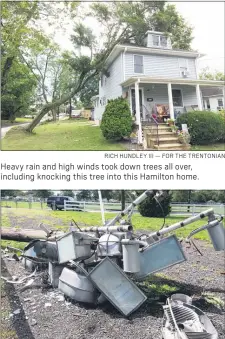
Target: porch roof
(150, 80)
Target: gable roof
(212, 91)
(149, 50)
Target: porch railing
(149, 118)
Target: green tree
(206, 74)
(67, 193)
(168, 20)
(9, 193)
(21, 34)
(180, 196)
(151, 208)
(43, 194)
(18, 92)
(121, 22)
(89, 90)
(84, 195)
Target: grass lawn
(7, 123)
(212, 147)
(63, 135)
(61, 220)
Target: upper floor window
(138, 64)
(159, 40)
(177, 98)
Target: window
(177, 98)
(155, 40)
(163, 41)
(220, 102)
(138, 64)
(159, 40)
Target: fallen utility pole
(27, 235)
(103, 262)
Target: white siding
(159, 66)
(214, 103)
(111, 88)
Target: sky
(207, 20)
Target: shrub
(150, 207)
(117, 120)
(204, 127)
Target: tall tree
(21, 32)
(67, 193)
(168, 20)
(84, 195)
(43, 194)
(9, 193)
(206, 74)
(120, 22)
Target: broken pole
(27, 235)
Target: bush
(204, 127)
(150, 207)
(117, 120)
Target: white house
(150, 77)
(213, 98)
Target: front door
(133, 103)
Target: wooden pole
(27, 235)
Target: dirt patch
(19, 220)
(198, 276)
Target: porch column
(170, 96)
(138, 113)
(223, 97)
(199, 99)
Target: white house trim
(124, 71)
(199, 99)
(150, 80)
(170, 96)
(138, 113)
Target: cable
(76, 225)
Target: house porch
(151, 97)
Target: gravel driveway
(45, 314)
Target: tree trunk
(5, 72)
(70, 109)
(59, 102)
(50, 107)
(54, 115)
(25, 235)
